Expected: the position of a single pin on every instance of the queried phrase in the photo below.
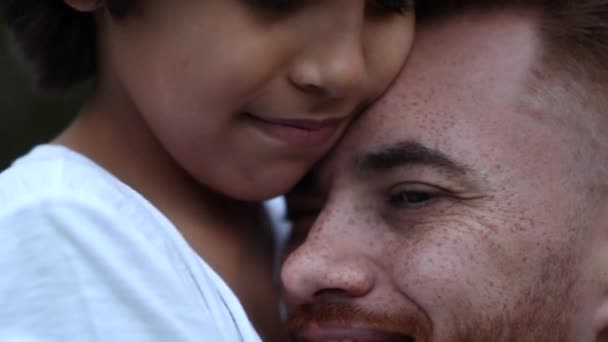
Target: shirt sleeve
(74, 270)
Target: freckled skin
(506, 254)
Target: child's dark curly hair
(58, 42)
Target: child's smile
(297, 132)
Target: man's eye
(299, 216)
(303, 209)
(301, 223)
(413, 196)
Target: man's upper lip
(308, 124)
(315, 332)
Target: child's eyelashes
(394, 6)
(275, 5)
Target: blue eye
(413, 196)
(411, 199)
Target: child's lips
(298, 132)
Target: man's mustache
(410, 324)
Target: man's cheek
(448, 273)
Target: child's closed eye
(275, 5)
(392, 6)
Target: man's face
(453, 211)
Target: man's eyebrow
(406, 153)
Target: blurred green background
(27, 117)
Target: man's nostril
(331, 293)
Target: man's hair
(574, 32)
(570, 76)
(58, 42)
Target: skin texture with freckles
(450, 202)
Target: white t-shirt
(85, 258)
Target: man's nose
(322, 266)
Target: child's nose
(334, 70)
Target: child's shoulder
(54, 197)
(91, 235)
(55, 183)
(51, 174)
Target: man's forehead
(472, 55)
(459, 68)
(471, 39)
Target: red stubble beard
(541, 313)
(345, 314)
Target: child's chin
(262, 185)
(259, 195)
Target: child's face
(247, 96)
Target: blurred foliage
(27, 117)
